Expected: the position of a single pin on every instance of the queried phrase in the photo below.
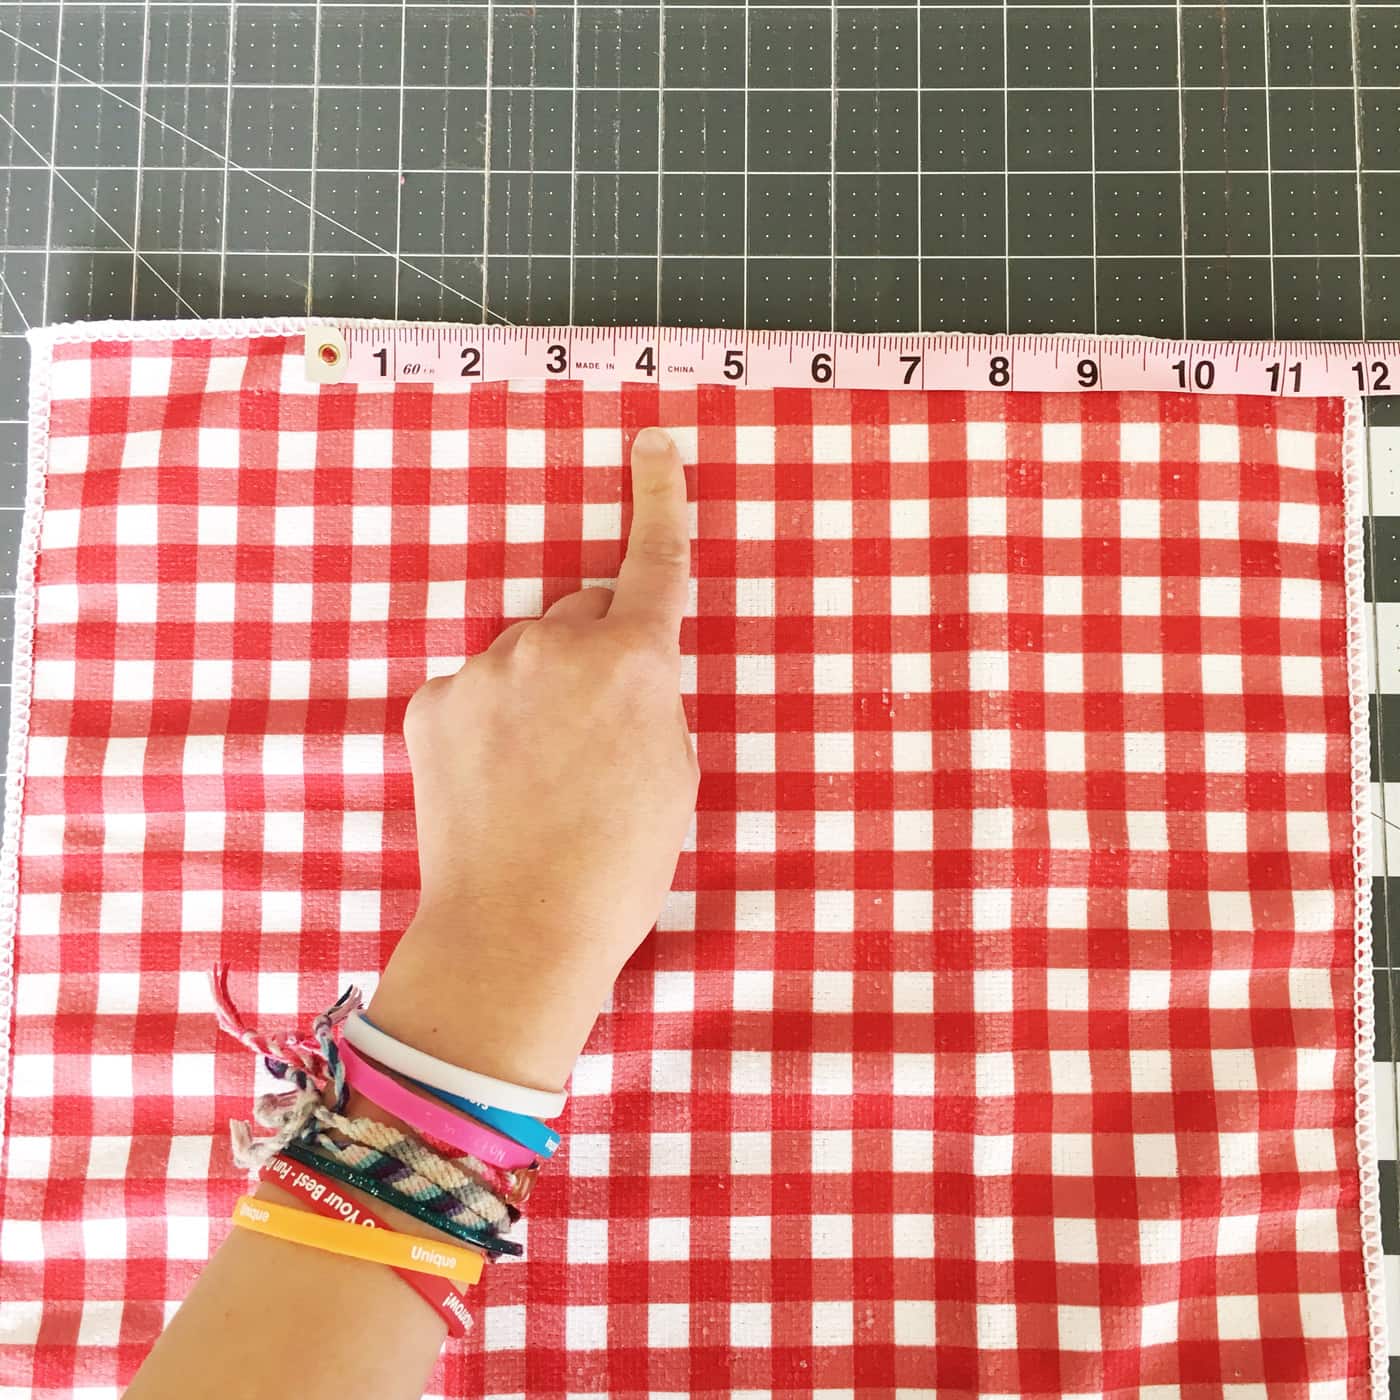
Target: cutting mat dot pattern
(1033, 167)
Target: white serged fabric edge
(1354, 495)
(21, 687)
(86, 332)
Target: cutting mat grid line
(1166, 168)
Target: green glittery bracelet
(348, 1176)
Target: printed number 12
(1380, 376)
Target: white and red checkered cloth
(1002, 1035)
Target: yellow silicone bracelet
(443, 1258)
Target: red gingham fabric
(999, 1038)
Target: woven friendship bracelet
(391, 1172)
(318, 1193)
(442, 1172)
(361, 1181)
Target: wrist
(498, 1006)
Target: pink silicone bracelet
(441, 1123)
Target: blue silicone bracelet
(539, 1137)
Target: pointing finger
(653, 582)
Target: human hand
(554, 781)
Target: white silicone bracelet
(438, 1074)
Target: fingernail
(653, 442)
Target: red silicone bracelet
(327, 1198)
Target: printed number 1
(383, 357)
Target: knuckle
(536, 634)
(660, 544)
(543, 644)
(658, 485)
(423, 703)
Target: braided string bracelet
(393, 1175)
(512, 1184)
(314, 1058)
(312, 1065)
(348, 1176)
(418, 1159)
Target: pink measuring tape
(368, 353)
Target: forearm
(264, 1310)
(266, 1315)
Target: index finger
(654, 580)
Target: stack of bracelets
(464, 1163)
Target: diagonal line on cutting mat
(116, 232)
(14, 300)
(399, 262)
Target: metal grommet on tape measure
(327, 357)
